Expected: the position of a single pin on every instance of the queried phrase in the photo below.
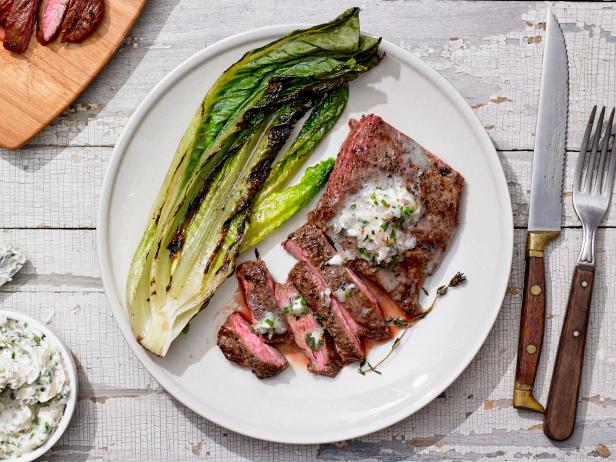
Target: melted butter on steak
(375, 154)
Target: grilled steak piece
(316, 344)
(18, 25)
(258, 288)
(50, 16)
(5, 7)
(309, 244)
(81, 20)
(328, 311)
(392, 206)
(239, 344)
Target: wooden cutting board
(39, 84)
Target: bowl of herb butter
(38, 387)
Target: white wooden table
(491, 52)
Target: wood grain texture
(48, 199)
(37, 85)
(567, 374)
(532, 321)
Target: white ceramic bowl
(71, 372)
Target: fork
(592, 192)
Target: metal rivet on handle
(584, 284)
(531, 349)
(576, 333)
(535, 290)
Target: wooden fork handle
(532, 322)
(565, 387)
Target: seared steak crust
(374, 150)
(258, 288)
(81, 20)
(18, 25)
(308, 243)
(327, 311)
(239, 344)
(5, 7)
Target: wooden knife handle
(532, 323)
(565, 387)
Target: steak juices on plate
(388, 214)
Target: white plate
(297, 407)
(71, 372)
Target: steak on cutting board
(5, 7)
(18, 25)
(239, 344)
(332, 315)
(309, 244)
(50, 16)
(316, 344)
(392, 206)
(258, 289)
(81, 20)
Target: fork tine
(579, 169)
(601, 174)
(609, 181)
(590, 172)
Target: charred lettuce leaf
(200, 214)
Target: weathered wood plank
(472, 420)
(58, 187)
(495, 63)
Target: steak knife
(545, 208)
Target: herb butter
(34, 388)
(381, 218)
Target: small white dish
(71, 372)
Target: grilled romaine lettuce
(199, 217)
(275, 209)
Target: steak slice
(239, 344)
(395, 243)
(18, 25)
(81, 20)
(258, 289)
(309, 244)
(50, 16)
(5, 8)
(321, 351)
(332, 315)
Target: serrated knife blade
(545, 208)
(549, 157)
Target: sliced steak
(316, 344)
(258, 289)
(50, 16)
(81, 20)
(392, 206)
(309, 244)
(5, 7)
(239, 344)
(331, 314)
(18, 25)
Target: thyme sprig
(402, 323)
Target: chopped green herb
(269, 322)
(385, 203)
(186, 329)
(364, 252)
(408, 211)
